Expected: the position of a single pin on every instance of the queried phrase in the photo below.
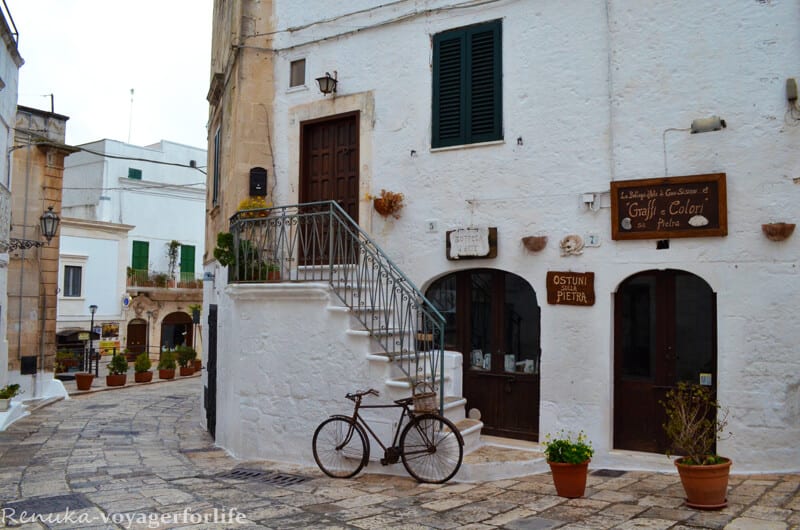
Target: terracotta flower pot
(166, 374)
(84, 380)
(187, 370)
(706, 487)
(143, 377)
(116, 379)
(569, 479)
(198, 365)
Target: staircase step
(471, 433)
(496, 461)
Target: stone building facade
(38, 169)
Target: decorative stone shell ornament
(572, 245)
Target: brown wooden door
(492, 317)
(137, 336)
(665, 332)
(329, 161)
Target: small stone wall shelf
(777, 231)
(534, 243)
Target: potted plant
(695, 422)
(388, 203)
(186, 356)
(273, 271)
(66, 360)
(166, 365)
(84, 380)
(6, 393)
(117, 370)
(141, 368)
(224, 252)
(172, 257)
(569, 462)
(253, 207)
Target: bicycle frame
(391, 456)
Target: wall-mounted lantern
(327, 84)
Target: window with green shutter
(187, 260)
(467, 85)
(141, 255)
(134, 173)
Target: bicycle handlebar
(358, 394)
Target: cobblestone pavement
(138, 458)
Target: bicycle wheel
(431, 448)
(340, 447)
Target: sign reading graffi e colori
(669, 207)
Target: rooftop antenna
(130, 118)
(52, 103)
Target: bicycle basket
(424, 397)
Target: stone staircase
(386, 377)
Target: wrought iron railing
(143, 278)
(320, 242)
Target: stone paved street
(138, 458)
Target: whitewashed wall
(101, 250)
(168, 203)
(588, 92)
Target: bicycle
(430, 446)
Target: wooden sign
(570, 288)
(669, 207)
(472, 243)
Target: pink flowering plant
(568, 449)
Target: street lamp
(48, 222)
(92, 310)
(147, 338)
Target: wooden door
(137, 336)
(492, 317)
(329, 161)
(664, 332)
(328, 171)
(210, 390)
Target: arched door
(176, 330)
(136, 336)
(493, 320)
(665, 331)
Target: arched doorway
(665, 331)
(176, 330)
(493, 319)
(136, 341)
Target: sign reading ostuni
(661, 208)
(570, 288)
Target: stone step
(471, 433)
(496, 461)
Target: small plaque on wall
(472, 243)
(570, 288)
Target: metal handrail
(320, 242)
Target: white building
(531, 118)
(123, 206)
(10, 62)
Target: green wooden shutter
(448, 89)
(467, 85)
(484, 91)
(134, 173)
(187, 259)
(141, 255)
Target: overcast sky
(90, 53)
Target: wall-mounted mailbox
(258, 182)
